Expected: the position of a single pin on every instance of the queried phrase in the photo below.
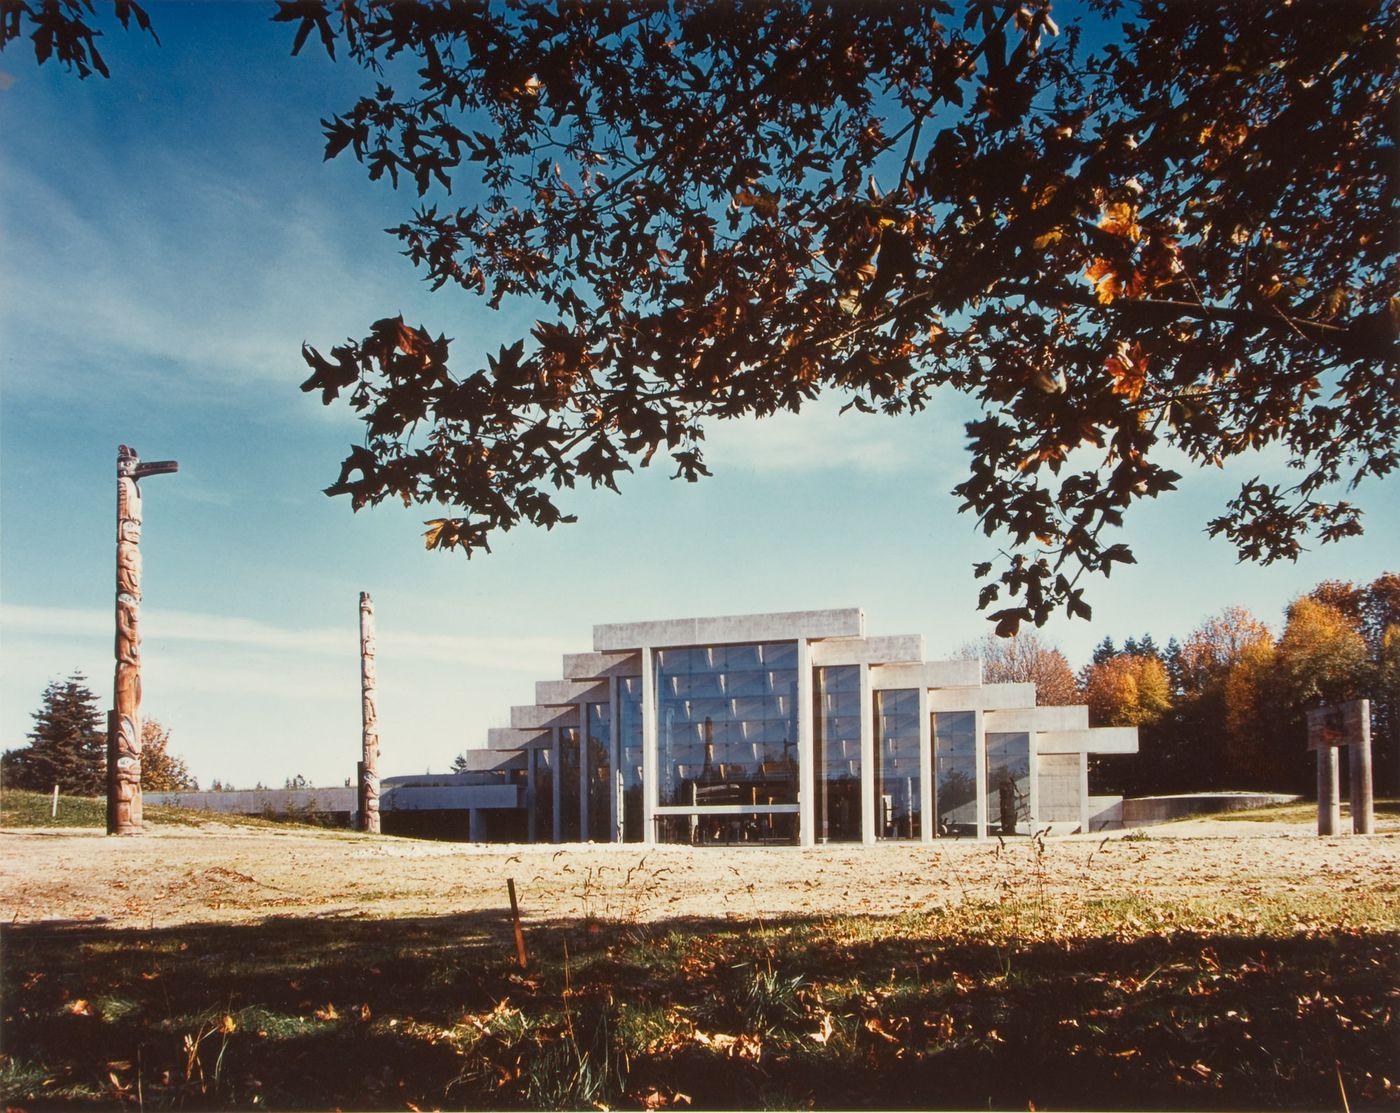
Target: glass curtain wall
(727, 737)
(836, 754)
(629, 722)
(897, 765)
(598, 731)
(568, 785)
(1009, 783)
(954, 737)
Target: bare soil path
(221, 874)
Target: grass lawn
(1282, 999)
(1134, 1003)
(1387, 813)
(19, 808)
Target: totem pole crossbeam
(124, 722)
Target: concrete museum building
(790, 728)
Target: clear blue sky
(172, 236)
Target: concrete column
(614, 761)
(531, 815)
(1363, 804)
(649, 756)
(806, 826)
(476, 825)
(926, 767)
(1329, 804)
(556, 776)
(1033, 741)
(1084, 793)
(867, 758)
(980, 727)
(582, 785)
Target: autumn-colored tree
(1321, 657)
(161, 770)
(1213, 647)
(1255, 726)
(1026, 659)
(724, 210)
(1127, 689)
(67, 747)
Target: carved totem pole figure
(369, 766)
(124, 726)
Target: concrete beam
(555, 693)
(533, 716)
(868, 651)
(1089, 740)
(731, 629)
(427, 798)
(984, 697)
(598, 666)
(512, 738)
(927, 674)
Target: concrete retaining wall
(1143, 811)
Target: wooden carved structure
(124, 723)
(1329, 729)
(369, 764)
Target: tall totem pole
(124, 724)
(369, 766)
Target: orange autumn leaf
(1128, 366)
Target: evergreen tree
(1103, 651)
(67, 747)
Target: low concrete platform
(1143, 811)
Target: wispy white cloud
(232, 633)
(206, 276)
(822, 438)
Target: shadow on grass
(914, 1012)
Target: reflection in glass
(836, 753)
(897, 810)
(955, 764)
(1009, 783)
(568, 785)
(727, 736)
(597, 729)
(629, 721)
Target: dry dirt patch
(171, 876)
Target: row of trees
(68, 748)
(1224, 707)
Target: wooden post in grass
(369, 716)
(55, 802)
(515, 919)
(124, 724)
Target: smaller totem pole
(124, 723)
(369, 766)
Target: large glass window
(598, 758)
(629, 723)
(836, 753)
(544, 795)
(954, 737)
(727, 737)
(897, 766)
(568, 785)
(1009, 783)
